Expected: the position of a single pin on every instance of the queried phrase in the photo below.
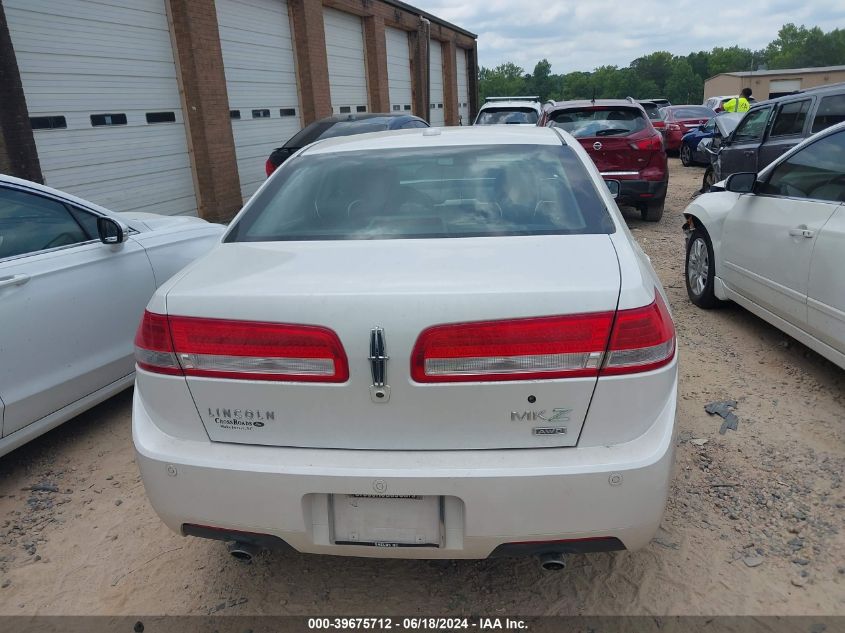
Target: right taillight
(642, 339)
(239, 350)
(653, 143)
(269, 167)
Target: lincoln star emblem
(379, 390)
(597, 146)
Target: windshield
(619, 121)
(691, 112)
(446, 192)
(510, 115)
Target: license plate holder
(387, 521)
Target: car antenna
(593, 100)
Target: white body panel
(398, 69)
(69, 325)
(781, 258)
(347, 65)
(258, 59)
(435, 95)
(463, 86)
(608, 477)
(79, 58)
(826, 290)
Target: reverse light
(239, 350)
(546, 348)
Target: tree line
(679, 78)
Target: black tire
(652, 211)
(686, 156)
(699, 270)
(708, 180)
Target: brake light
(239, 350)
(573, 346)
(269, 167)
(643, 339)
(653, 143)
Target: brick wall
(311, 59)
(199, 61)
(18, 155)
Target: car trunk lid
(403, 287)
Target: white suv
(438, 343)
(509, 111)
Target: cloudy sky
(583, 34)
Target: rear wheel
(652, 211)
(699, 271)
(709, 179)
(686, 155)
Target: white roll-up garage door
(436, 83)
(258, 60)
(463, 86)
(101, 88)
(347, 67)
(398, 69)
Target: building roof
(783, 71)
(430, 17)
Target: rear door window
(414, 193)
(584, 122)
(790, 118)
(831, 111)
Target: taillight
(572, 346)
(653, 143)
(269, 167)
(673, 127)
(518, 349)
(239, 350)
(643, 339)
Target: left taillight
(269, 167)
(240, 350)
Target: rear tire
(686, 155)
(699, 270)
(709, 179)
(652, 211)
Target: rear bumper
(636, 191)
(574, 499)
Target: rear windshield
(693, 112)
(652, 111)
(329, 129)
(619, 121)
(498, 116)
(474, 191)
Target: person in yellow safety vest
(738, 104)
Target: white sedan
(74, 280)
(775, 244)
(437, 343)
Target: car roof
(520, 103)
(836, 88)
(438, 137)
(589, 103)
(363, 116)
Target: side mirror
(111, 231)
(742, 182)
(613, 186)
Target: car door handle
(801, 231)
(13, 280)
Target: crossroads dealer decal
(240, 419)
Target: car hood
(155, 221)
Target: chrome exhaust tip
(243, 552)
(552, 561)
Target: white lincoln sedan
(74, 280)
(775, 244)
(437, 343)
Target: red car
(620, 138)
(681, 119)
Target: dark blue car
(689, 150)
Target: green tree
(657, 67)
(505, 80)
(732, 59)
(683, 85)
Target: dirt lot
(754, 524)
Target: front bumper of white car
(494, 502)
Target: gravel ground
(754, 523)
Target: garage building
(172, 106)
(768, 84)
